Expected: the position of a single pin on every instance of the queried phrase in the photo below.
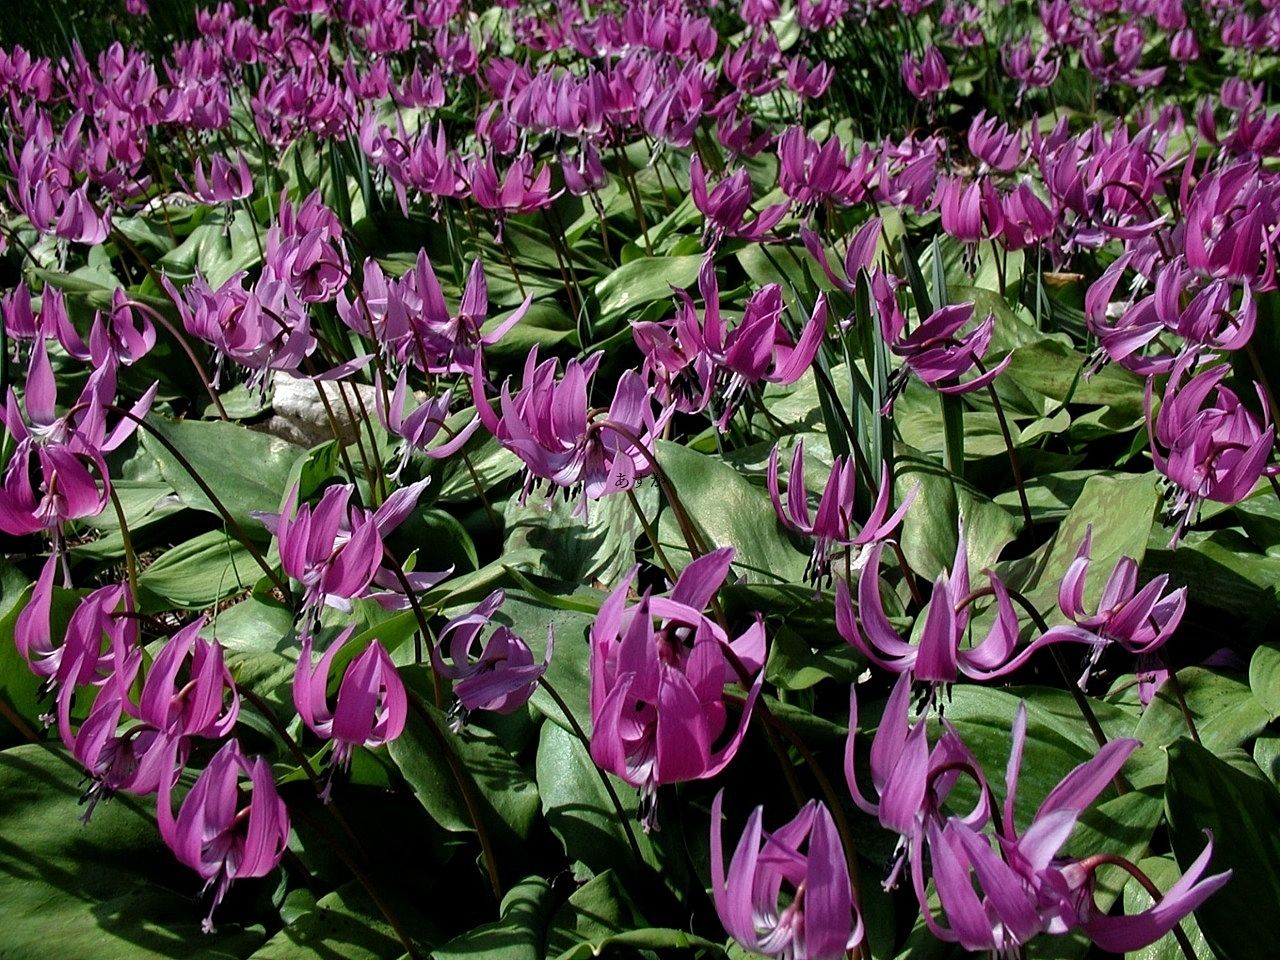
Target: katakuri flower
(222, 832)
(786, 893)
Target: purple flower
(694, 362)
(726, 204)
(548, 425)
(57, 472)
(833, 524)
(305, 250)
(857, 259)
(99, 645)
(940, 656)
(168, 713)
(421, 425)
(197, 706)
(1206, 443)
(911, 781)
(221, 832)
(1140, 621)
(371, 705)
(787, 892)
(810, 174)
(657, 692)
(933, 351)
(335, 549)
(1024, 888)
(520, 189)
(224, 182)
(927, 77)
(411, 322)
(503, 677)
(994, 144)
(264, 327)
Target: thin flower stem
(693, 539)
(16, 721)
(423, 634)
(1008, 446)
(236, 530)
(130, 558)
(652, 535)
(1082, 701)
(1176, 686)
(406, 941)
(465, 787)
(185, 344)
(604, 777)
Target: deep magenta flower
(188, 692)
(504, 675)
(657, 689)
(222, 832)
(695, 362)
(224, 182)
(940, 656)
(934, 351)
(912, 781)
(925, 77)
(1206, 443)
(786, 893)
(420, 426)
(371, 706)
(335, 549)
(726, 205)
(833, 526)
(412, 323)
(548, 425)
(1024, 888)
(1140, 621)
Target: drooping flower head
(222, 831)
(658, 672)
(371, 705)
(504, 675)
(833, 526)
(786, 893)
(1206, 443)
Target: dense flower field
(649, 477)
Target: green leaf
(1243, 812)
(110, 889)
(1224, 710)
(644, 281)
(198, 573)
(730, 512)
(578, 809)
(1119, 510)
(245, 470)
(1264, 678)
(599, 547)
(516, 936)
(930, 529)
(344, 923)
(508, 799)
